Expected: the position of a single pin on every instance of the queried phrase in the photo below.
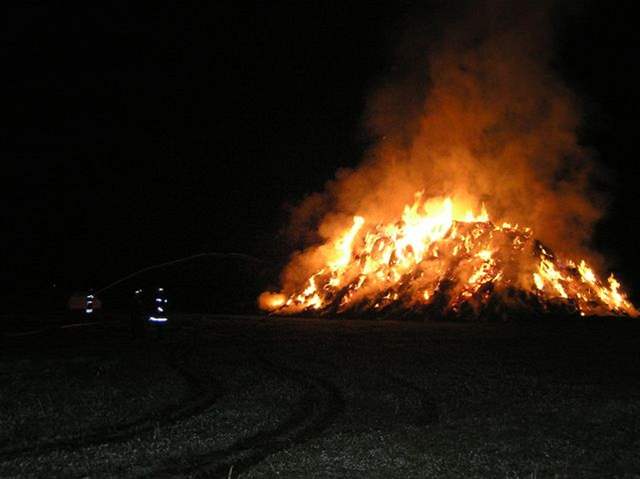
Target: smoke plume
(474, 111)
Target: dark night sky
(139, 135)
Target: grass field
(256, 398)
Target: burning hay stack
(474, 113)
(433, 262)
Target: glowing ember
(434, 260)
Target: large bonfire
(471, 112)
(438, 260)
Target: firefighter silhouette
(157, 316)
(90, 303)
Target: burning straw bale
(437, 261)
(473, 114)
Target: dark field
(243, 397)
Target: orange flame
(434, 251)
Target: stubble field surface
(256, 398)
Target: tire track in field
(322, 398)
(429, 414)
(321, 403)
(200, 398)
